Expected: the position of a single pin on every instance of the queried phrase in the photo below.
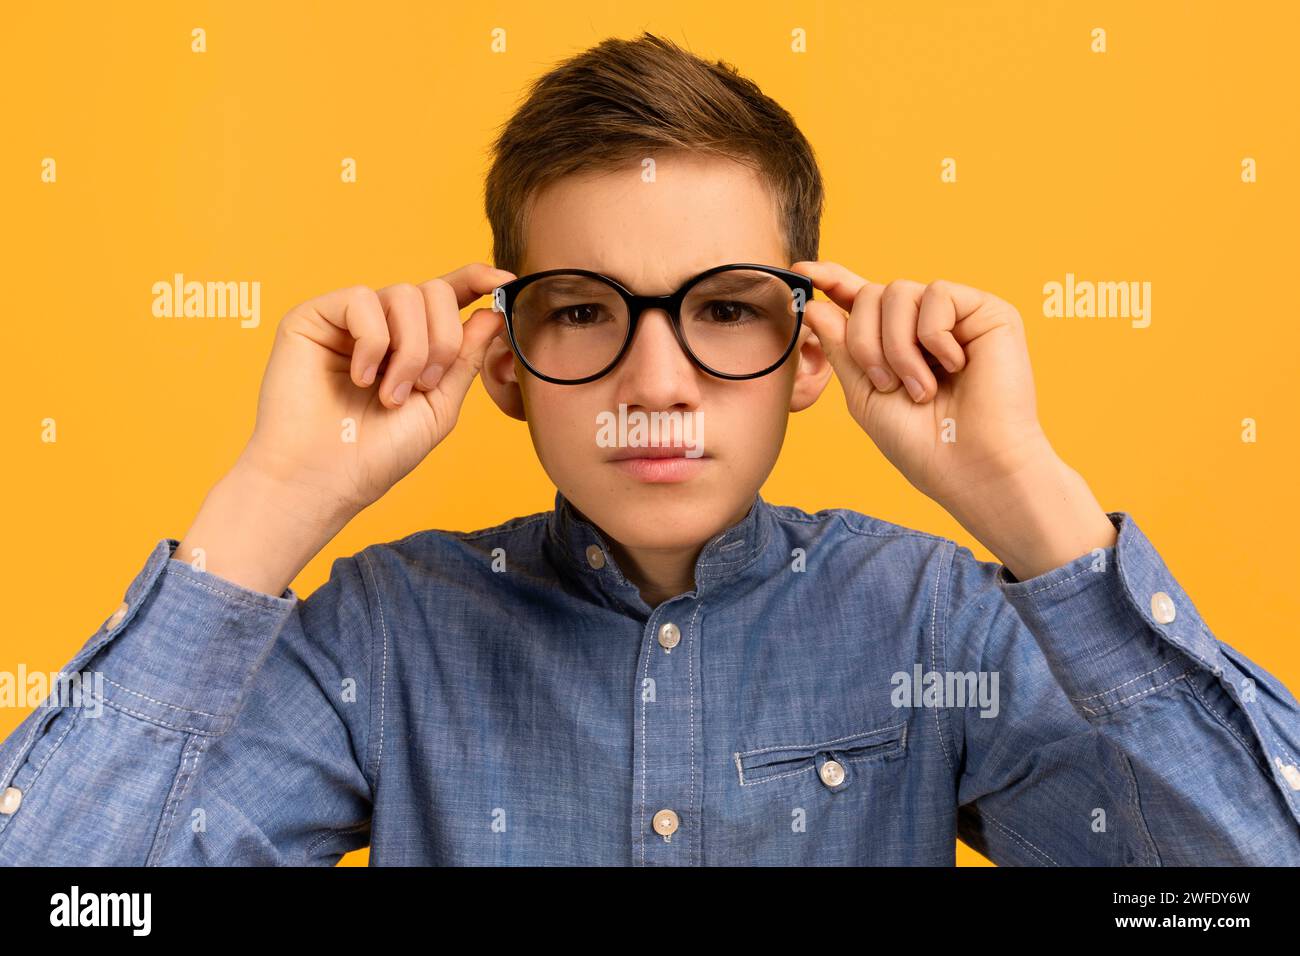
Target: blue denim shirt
(835, 690)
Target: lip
(650, 451)
(658, 464)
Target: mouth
(653, 451)
(659, 464)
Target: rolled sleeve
(1116, 627)
(184, 644)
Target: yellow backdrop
(1162, 150)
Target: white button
(595, 556)
(832, 773)
(1162, 607)
(665, 823)
(10, 799)
(669, 635)
(115, 618)
(1290, 772)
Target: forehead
(651, 228)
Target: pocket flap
(784, 760)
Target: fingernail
(400, 393)
(429, 377)
(914, 388)
(880, 378)
(948, 363)
(369, 375)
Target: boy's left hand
(967, 434)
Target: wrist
(259, 532)
(1040, 517)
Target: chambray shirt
(836, 689)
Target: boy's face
(698, 212)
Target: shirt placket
(667, 769)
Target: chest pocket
(835, 762)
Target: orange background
(224, 165)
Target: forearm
(1037, 519)
(259, 532)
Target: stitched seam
(645, 673)
(383, 677)
(1144, 693)
(891, 751)
(341, 831)
(998, 823)
(22, 751)
(934, 650)
(221, 592)
(193, 748)
(698, 830)
(72, 723)
(1167, 663)
(153, 719)
(1048, 587)
(1150, 848)
(1226, 725)
(161, 703)
(824, 743)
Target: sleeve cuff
(1113, 624)
(183, 645)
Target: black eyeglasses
(571, 326)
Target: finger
(934, 325)
(476, 334)
(409, 349)
(900, 305)
(864, 338)
(839, 284)
(829, 323)
(442, 310)
(474, 281)
(357, 311)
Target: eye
(727, 312)
(579, 316)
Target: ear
(500, 377)
(812, 371)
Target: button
(832, 773)
(115, 618)
(1162, 607)
(1290, 772)
(10, 799)
(665, 823)
(669, 636)
(595, 556)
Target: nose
(656, 373)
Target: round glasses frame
(801, 289)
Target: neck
(658, 573)
(663, 573)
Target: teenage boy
(665, 669)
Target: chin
(658, 516)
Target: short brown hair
(611, 104)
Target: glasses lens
(740, 321)
(569, 326)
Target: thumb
(829, 323)
(476, 334)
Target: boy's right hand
(362, 384)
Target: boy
(666, 669)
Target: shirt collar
(584, 550)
